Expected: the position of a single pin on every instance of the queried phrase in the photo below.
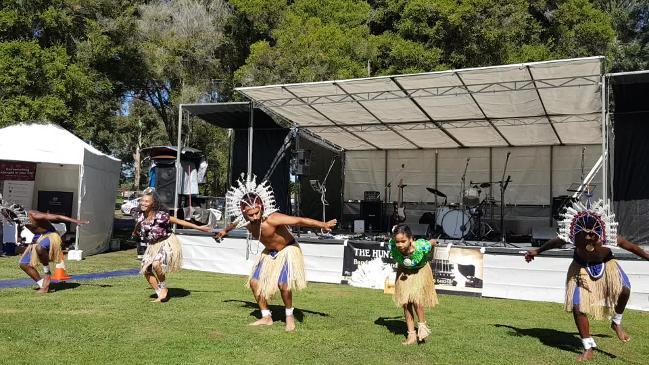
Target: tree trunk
(136, 157)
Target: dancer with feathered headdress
(281, 264)
(596, 285)
(45, 245)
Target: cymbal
(436, 192)
(485, 185)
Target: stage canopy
(530, 104)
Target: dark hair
(157, 205)
(401, 228)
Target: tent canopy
(68, 164)
(234, 115)
(530, 104)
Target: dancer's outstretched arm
(40, 216)
(553, 243)
(222, 233)
(184, 223)
(278, 219)
(632, 247)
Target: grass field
(111, 321)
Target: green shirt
(417, 259)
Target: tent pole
(604, 143)
(76, 234)
(250, 137)
(178, 165)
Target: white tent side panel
(532, 171)
(99, 180)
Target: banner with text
(17, 182)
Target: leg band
(265, 313)
(289, 311)
(40, 283)
(588, 343)
(617, 318)
(46, 270)
(162, 285)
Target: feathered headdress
(594, 217)
(14, 213)
(248, 194)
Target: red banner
(17, 171)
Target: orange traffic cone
(59, 271)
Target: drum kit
(464, 220)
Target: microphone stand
(503, 183)
(323, 190)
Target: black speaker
(371, 213)
(166, 184)
(301, 162)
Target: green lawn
(111, 321)
(110, 261)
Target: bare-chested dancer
(45, 246)
(281, 264)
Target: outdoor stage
(471, 268)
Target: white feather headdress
(236, 199)
(596, 215)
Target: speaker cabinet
(166, 184)
(372, 214)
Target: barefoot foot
(46, 285)
(263, 321)
(586, 355)
(162, 295)
(290, 323)
(412, 338)
(423, 331)
(621, 334)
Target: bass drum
(456, 223)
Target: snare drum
(471, 197)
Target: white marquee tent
(546, 115)
(66, 163)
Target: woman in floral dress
(163, 253)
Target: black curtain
(266, 143)
(631, 148)
(321, 158)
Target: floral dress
(162, 244)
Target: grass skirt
(54, 253)
(168, 252)
(271, 270)
(415, 286)
(597, 298)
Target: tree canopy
(114, 71)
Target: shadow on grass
(173, 293)
(277, 310)
(566, 341)
(63, 286)
(396, 325)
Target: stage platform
(475, 268)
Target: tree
(179, 43)
(313, 41)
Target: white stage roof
(529, 104)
